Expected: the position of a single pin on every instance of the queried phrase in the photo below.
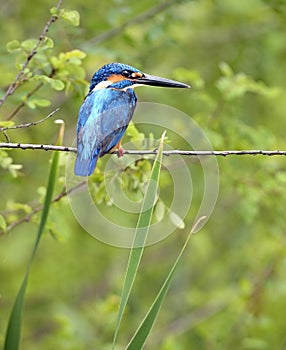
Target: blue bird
(107, 110)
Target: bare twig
(27, 125)
(25, 146)
(22, 104)
(142, 17)
(31, 93)
(130, 152)
(223, 153)
(28, 217)
(6, 136)
(13, 86)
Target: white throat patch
(102, 85)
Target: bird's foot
(120, 151)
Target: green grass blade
(141, 233)
(13, 333)
(142, 332)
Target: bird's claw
(120, 152)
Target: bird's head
(121, 76)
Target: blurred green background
(230, 289)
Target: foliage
(230, 288)
(14, 328)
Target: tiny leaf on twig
(70, 16)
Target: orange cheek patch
(115, 78)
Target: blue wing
(102, 121)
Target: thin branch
(142, 17)
(6, 136)
(30, 94)
(23, 103)
(27, 125)
(28, 217)
(223, 153)
(32, 53)
(25, 146)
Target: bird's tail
(84, 166)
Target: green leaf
(37, 102)
(20, 207)
(140, 237)
(233, 86)
(225, 69)
(70, 16)
(13, 334)
(13, 45)
(42, 78)
(57, 84)
(14, 169)
(54, 11)
(134, 134)
(6, 123)
(6, 162)
(31, 104)
(42, 102)
(144, 329)
(47, 43)
(75, 54)
(28, 44)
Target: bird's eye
(125, 73)
(132, 75)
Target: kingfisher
(107, 110)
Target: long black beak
(152, 80)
